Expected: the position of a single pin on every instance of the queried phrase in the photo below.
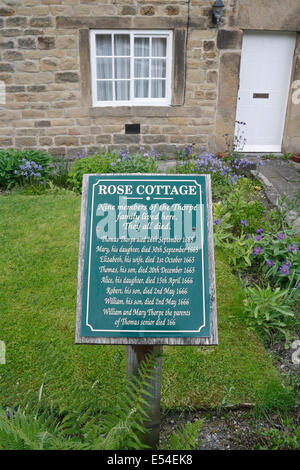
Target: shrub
(23, 167)
(111, 162)
(267, 312)
(278, 256)
(225, 172)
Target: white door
(265, 74)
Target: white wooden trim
(262, 148)
(168, 34)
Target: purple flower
(217, 221)
(257, 237)
(259, 230)
(287, 263)
(270, 263)
(280, 236)
(257, 250)
(7, 413)
(113, 163)
(293, 248)
(244, 223)
(247, 236)
(284, 270)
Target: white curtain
(113, 67)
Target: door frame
(228, 88)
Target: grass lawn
(38, 259)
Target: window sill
(132, 111)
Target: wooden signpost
(146, 267)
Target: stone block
(42, 123)
(6, 67)
(148, 10)
(69, 77)
(19, 21)
(26, 43)
(41, 22)
(172, 10)
(13, 55)
(229, 39)
(6, 141)
(46, 42)
(66, 140)
(26, 141)
(7, 11)
(128, 10)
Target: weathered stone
(208, 45)
(52, 2)
(42, 123)
(26, 141)
(128, 10)
(212, 76)
(66, 140)
(172, 11)
(26, 43)
(46, 140)
(148, 10)
(227, 99)
(46, 42)
(36, 88)
(47, 64)
(43, 22)
(7, 11)
(14, 89)
(32, 114)
(11, 32)
(6, 142)
(6, 67)
(269, 15)
(154, 139)
(126, 139)
(57, 151)
(33, 32)
(16, 21)
(71, 77)
(6, 44)
(229, 39)
(13, 55)
(28, 66)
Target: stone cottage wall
(44, 64)
(46, 106)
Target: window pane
(141, 68)
(104, 68)
(122, 44)
(159, 47)
(122, 68)
(141, 88)
(141, 47)
(158, 88)
(122, 90)
(104, 90)
(158, 68)
(103, 44)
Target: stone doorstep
(274, 196)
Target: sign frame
(212, 340)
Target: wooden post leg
(135, 355)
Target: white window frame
(168, 34)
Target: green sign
(146, 268)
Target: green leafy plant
(285, 436)
(185, 437)
(266, 312)
(24, 167)
(37, 427)
(111, 162)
